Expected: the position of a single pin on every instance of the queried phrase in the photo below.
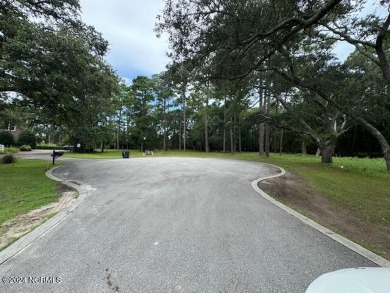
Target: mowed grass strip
(361, 186)
(107, 154)
(25, 187)
(368, 197)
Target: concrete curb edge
(340, 239)
(27, 239)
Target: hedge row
(25, 138)
(47, 147)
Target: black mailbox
(56, 154)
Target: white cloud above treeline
(128, 27)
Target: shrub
(11, 150)
(6, 138)
(25, 148)
(8, 159)
(50, 146)
(27, 138)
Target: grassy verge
(110, 154)
(357, 188)
(24, 187)
(359, 185)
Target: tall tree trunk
(239, 135)
(234, 132)
(206, 129)
(261, 138)
(127, 131)
(180, 128)
(381, 140)
(165, 126)
(118, 130)
(303, 146)
(327, 154)
(327, 150)
(281, 142)
(206, 135)
(224, 125)
(261, 124)
(267, 139)
(224, 140)
(267, 127)
(387, 159)
(184, 119)
(231, 136)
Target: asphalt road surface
(174, 225)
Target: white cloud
(128, 26)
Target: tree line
(286, 50)
(244, 75)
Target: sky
(128, 26)
(134, 48)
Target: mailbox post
(56, 154)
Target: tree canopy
(49, 58)
(239, 36)
(287, 48)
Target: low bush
(6, 138)
(27, 138)
(11, 150)
(49, 146)
(25, 148)
(8, 159)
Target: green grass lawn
(24, 187)
(110, 154)
(360, 185)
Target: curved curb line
(340, 239)
(27, 239)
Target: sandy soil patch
(21, 225)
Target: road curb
(340, 239)
(27, 239)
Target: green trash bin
(125, 154)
